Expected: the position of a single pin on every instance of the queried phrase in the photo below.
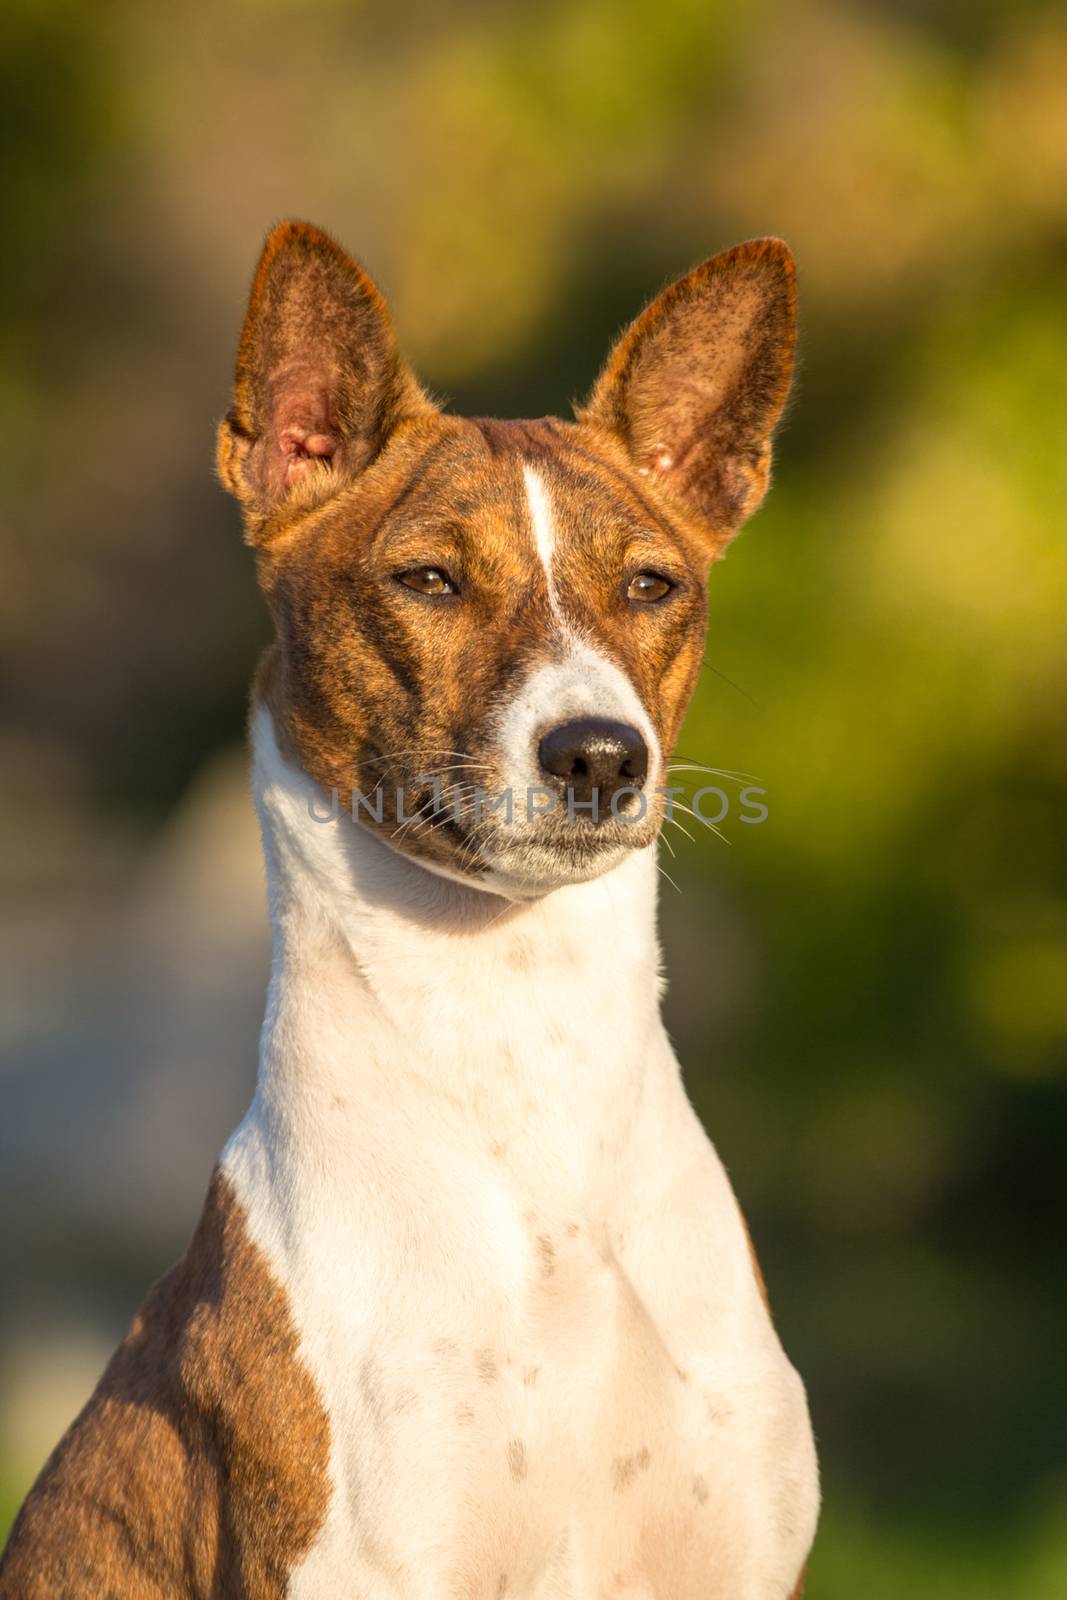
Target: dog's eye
(648, 586)
(427, 580)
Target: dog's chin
(527, 869)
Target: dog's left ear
(319, 385)
(695, 386)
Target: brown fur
(199, 1467)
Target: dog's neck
(523, 1025)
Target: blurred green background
(869, 991)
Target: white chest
(535, 1401)
(515, 1264)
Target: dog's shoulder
(200, 1464)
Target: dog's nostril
(595, 753)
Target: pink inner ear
(307, 431)
(301, 448)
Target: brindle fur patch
(199, 1467)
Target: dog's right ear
(319, 384)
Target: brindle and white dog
(471, 1310)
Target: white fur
(514, 1260)
(544, 529)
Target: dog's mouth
(534, 854)
(466, 823)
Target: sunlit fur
(472, 1311)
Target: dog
(471, 1310)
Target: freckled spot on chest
(718, 1410)
(370, 1390)
(517, 1459)
(486, 1365)
(546, 1252)
(405, 1401)
(520, 955)
(624, 1469)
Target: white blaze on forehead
(544, 528)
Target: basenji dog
(471, 1311)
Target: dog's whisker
(442, 802)
(702, 820)
(706, 665)
(673, 820)
(713, 772)
(462, 759)
(665, 874)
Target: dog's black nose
(594, 753)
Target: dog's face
(488, 632)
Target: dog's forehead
(582, 485)
(488, 477)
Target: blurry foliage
(869, 991)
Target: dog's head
(489, 631)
